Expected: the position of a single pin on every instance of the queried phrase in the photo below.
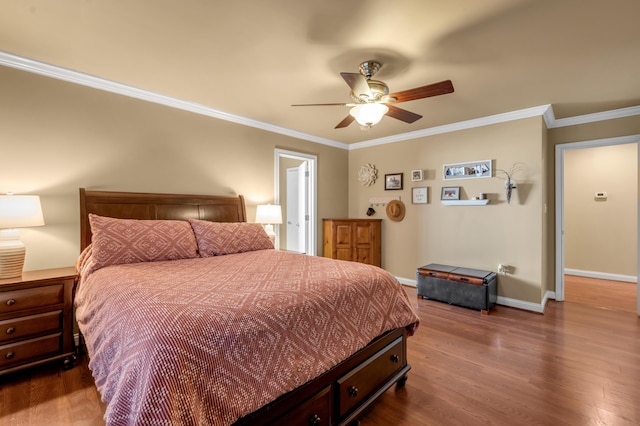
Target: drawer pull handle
(11, 330)
(9, 355)
(11, 302)
(353, 391)
(395, 358)
(315, 420)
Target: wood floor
(575, 365)
(619, 295)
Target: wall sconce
(269, 215)
(16, 211)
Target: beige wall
(58, 137)
(471, 236)
(628, 126)
(601, 236)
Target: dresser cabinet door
(343, 241)
(357, 240)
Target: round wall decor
(367, 174)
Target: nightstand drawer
(16, 353)
(36, 297)
(21, 327)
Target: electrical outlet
(502, 268)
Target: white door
(297, 215)
(310, 198)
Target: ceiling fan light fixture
(369, 114)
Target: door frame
(559, 213)
(312, 191)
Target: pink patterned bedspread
(209, 340)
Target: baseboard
(505, 301)
(407, 281)
(522, 304)
(601, 275)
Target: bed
(231, 331)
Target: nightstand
(36, 319)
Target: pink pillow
(218, 238)
(117, 241)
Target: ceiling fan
(371, 98)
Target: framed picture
(471, 170)
(393, 181)
(419, 195)
(450, 193)
(417, 175)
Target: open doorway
(594, 214)
(296, 192)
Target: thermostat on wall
(601, 196)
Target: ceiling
(254, 59)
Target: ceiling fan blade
(358, 83)
(344, 123)
(402, 114)
(336, 104)
(429, 90)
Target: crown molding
(454, 127)
(591, 118)
(546, 111)
(64, 74)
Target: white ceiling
(255, 58)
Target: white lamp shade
(16, 211)
(269, 214)
(20, 211)
(369, 114)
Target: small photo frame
(470, 170)
(417, 175)
(419, 195)
(393, 181)
(450, 193)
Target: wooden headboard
(138, 205)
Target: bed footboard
(339, 396)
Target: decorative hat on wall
(395, 210)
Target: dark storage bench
(471, 288)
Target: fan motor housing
(378, 90)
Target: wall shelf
(465, 202)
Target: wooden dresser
(36, 319)
(358, 240)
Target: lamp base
(268, 228)
(12, 253)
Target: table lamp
(16, 211)
(268, 215)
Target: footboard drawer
(316, 411)
(363, 381)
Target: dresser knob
(11, 330)
(353, 391)
(395, 358)
(11, 302)
(315, 420)
(9, 355)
